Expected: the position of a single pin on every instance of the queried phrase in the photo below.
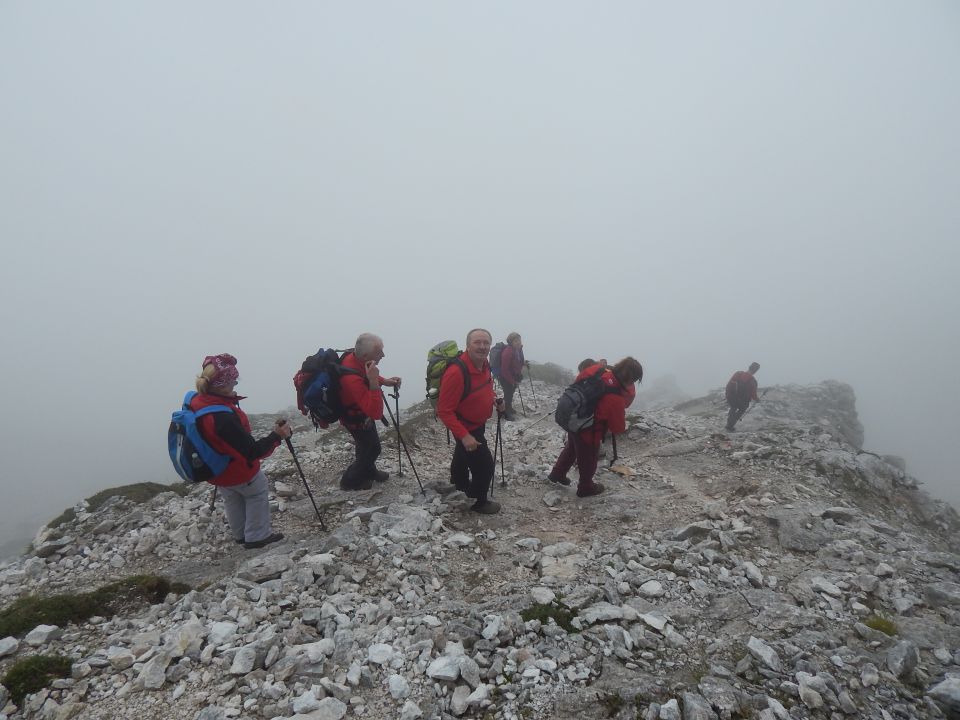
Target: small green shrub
(881, 623)
(561, 614)
(34, 673)
(31, 610)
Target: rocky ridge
(720, 576)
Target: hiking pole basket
(313, 502)
(402, 442)
(396, 406)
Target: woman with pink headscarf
(242, 485)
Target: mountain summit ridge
(722, 575)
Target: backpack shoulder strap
(466, 377)
(203, 411)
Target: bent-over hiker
(740, 390)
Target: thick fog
(700, 185)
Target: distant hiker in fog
(511, 369)
(613, 391)
(242, 485)
(362, 400)
(465, 404)
(740, 390)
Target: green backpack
(439, 358)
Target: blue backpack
(318, 387)
(192, 457)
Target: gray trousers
(247, 508)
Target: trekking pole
(402, 442)
(539, 420)
(396, 406)
(503, 478)
(520, 395)
(296, 462)
(765, 391)
(615, 456)
(497, 447)
(213, 497)
(532, 390)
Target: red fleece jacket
(356, 395)
(229, 434)
(462, 416)
(611, 413)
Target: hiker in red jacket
(466, 403)
(740, 390)
(511, 369)
(242, 485)
(583, 448)
(361, 396)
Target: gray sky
(698, 184)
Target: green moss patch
(31, 610)
(560, 613)
(34, 673)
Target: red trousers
(585, 455)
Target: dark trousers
(508, 390)
(737, 409)
(472, 472)
(579, 451)
(364, 467)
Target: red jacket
(511, 364)
(611, 413)
(229, 434)
(356, 396)
(742, 388)
(462, 416)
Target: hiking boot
(364, 484)
(590, 489)
(487, 507)
(271, 538)
(381, 476)
(565, 481)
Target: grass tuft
(560, 613)
(881, 623)
(34, 673)
(31, 610)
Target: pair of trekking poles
(401, 444)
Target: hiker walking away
(511, 369)
(583, 447)
(740, 390)
(466, 403)
(242, 485)
(363, 404)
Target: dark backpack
(192, 457)
(579, 401)
(496, 354)
(318, 387)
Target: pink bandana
(226, 366)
